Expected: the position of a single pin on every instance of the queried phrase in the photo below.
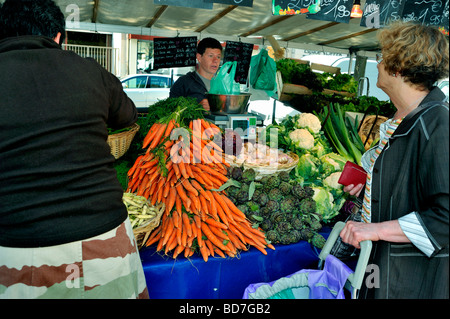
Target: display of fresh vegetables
(295, 72)
(183, 168)
(342, 134)
(318, 166)
(139, 209)
(280, 205)
(298, 73)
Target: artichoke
(297, 223)
(273, 181)
(265, 212)
(318, 240)
(242, 196)
(307, 233)
(236, 173)
(275, 194)
(283, 227)
(307, 206)
(297, 236)
(285, 188)
(232, 191)
(273, 206)
(302, 192)
(272, 236)
(248, 175)
(243, 208)
(287, 204)
(266, 225)
(284, 176)
(286, 239)
(263, 199)
(277, 217)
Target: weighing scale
(243, 124)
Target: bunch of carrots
(185, 171)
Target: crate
(285, 90)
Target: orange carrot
(210, 247)
(215, 223)
(204, 252)
(158, 135)
(222, 215)
(188, 186)
(187, 224)
(197, 221)
(218, 232)
(178, 250)
(183, 171)
(151, 134)
(182, 194)
(212, 237)
(169, 231)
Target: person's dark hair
(208, 43)
(31, 17)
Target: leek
(339, 135)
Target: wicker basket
(264, 169)
(142, 232)
(120, 142)
(369, 129)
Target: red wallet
(352, 174)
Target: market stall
(222, 278)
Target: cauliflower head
(332, 180)
(309, 121)
(302, 138)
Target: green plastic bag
(263, 72)
(223, 82)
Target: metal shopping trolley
(327, 282)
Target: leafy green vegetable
(337, 132)
(298, 73)
(326, 205)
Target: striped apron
(106, 266)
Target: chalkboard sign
(290, 7)
(379, 13)
(333, 10)
(174, 52)
(242, 53)
(200, 4)
(242, 3)
(426, 12)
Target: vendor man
(197, 83)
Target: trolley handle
(356, 278)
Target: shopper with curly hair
(405, 207)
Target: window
(138, 82)
(158, 82)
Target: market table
(222, 278)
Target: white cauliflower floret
(309, 120)
(302, 138)
(332, 180)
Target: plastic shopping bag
(263, 72)
(223, 82)
(328, 283)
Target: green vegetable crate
(285, 90)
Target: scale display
(245, 126)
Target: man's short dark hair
(208, 43)
(31, 17)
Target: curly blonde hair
(418, 53)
